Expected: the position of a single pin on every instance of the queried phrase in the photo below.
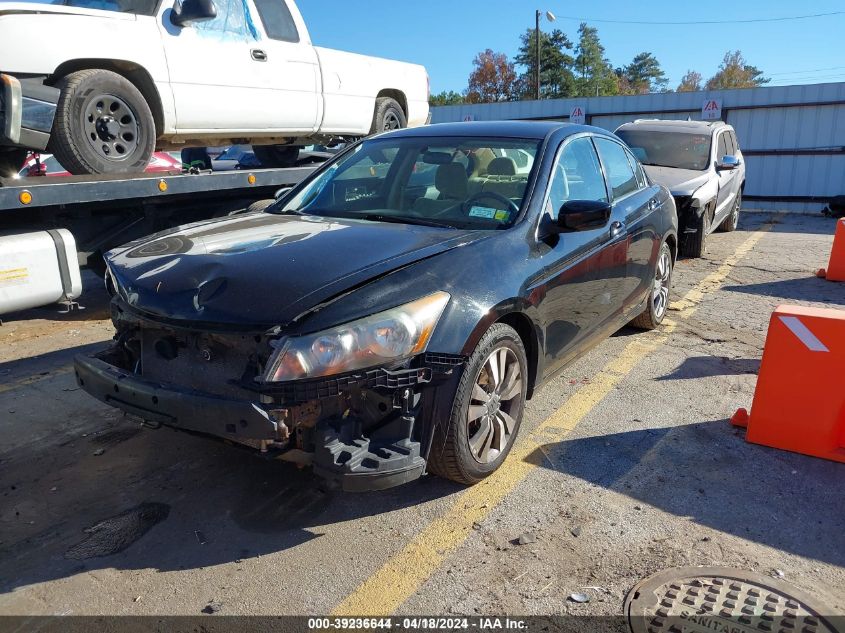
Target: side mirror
(728, 163)
(280, 193)
(186, 12)
(583, 215)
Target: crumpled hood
(681, 182)
(263, 270)
(7, 8)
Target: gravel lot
(634, 469)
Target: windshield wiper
(404, 219)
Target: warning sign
(578, 115)
(711, 110)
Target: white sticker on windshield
(482, 212)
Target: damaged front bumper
(341, 447)
(27, 110)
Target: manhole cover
(719, 599)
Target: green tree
(735, 72)
(596, 77)
(557, 81)
(493, 78)
(690, 82)
(447, 97)
(641, 76)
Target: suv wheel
(487, 410)
(695, 244)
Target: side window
(576, 176)
(723, 146)
(277, 20)
(638, 170)
(620, 174)
(232, 22)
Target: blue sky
(445, 35)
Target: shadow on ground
(706, 366)
(707, 472)
(131, 498)
(803, 289)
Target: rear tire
(730, 223)
(658, 299)
(11, 161)
(279, 156)
(695, 244)
(388, 116)
(103, 125)
(467, 451)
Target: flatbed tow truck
(71, 221)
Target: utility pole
(551, 18)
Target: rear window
(620, 173)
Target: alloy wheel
(493, 408)
(660, 290)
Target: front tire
(487, 411)
(658, 299)
(276, 155)
(388, 116)
(103, 125)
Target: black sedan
(393, 313)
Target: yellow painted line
(402, 575)
(31, 380)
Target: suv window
(723, 147)
(577, 176)
(277, 20)
(620, 174)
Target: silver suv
(701, 164)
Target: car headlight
(388, 336)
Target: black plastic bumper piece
(165, 404)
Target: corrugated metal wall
(793, 137)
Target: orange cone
(799, 402)
(836, 268)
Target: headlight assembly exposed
(382, 338)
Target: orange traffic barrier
(836, 268)
(799, 402)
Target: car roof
(657, 125)
(505, 129)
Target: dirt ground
(627, 465)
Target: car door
(288, 70)
(215, 81)
(726, 178)
(578, 288)
(633, 208)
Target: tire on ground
(388, 116)
(11, 161)
(649, 319)
(695, 244)
(450, 455)
(129, 136)
(276, 155)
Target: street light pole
(537, 53)
(551, 18)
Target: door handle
(653, 204)
(616, 228)
(258, 55)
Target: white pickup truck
(102, 84)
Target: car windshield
(454, 182)
(681, 150)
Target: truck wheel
(11, 161)
(730, 223)
(695, 244)
(487, 410)
(276, 155)
(388, 116)
(103, 125)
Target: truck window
(136, 7)
(232, 22)
(277, 20)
